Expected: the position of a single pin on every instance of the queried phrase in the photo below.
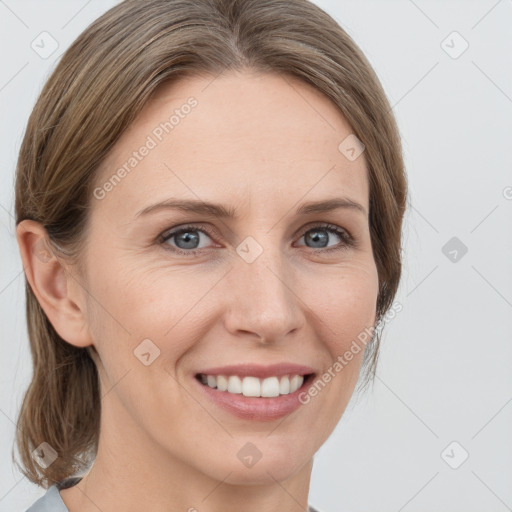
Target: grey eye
(318, 238)
(186, 238)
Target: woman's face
(265, 286)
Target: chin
(261, 461)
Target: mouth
(252, 398)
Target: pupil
(318, 236)
(188, 238)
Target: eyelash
(348, 241)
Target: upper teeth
(253, 386)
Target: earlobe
(49, 279)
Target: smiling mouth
(254, 387)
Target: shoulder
(52, 501)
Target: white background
(444, 372)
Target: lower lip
(256, 408)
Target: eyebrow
(221, 211)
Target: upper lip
(261, 371)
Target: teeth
(270, 387)
(252, 386)
(284, 386)
(234, 384)
(222, 383)
(296, 383)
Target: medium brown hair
(97, 89)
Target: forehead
(240, 135)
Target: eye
(320, 235)
(187, 240)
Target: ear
(55, 288)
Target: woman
(209, 203)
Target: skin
(263, 144)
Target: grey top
(51, 501)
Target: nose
(263, 301)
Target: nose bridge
(261, 292)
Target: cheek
(344, 299)
(133, 314)
(342, 302)
(129, 304)
(127, 293)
